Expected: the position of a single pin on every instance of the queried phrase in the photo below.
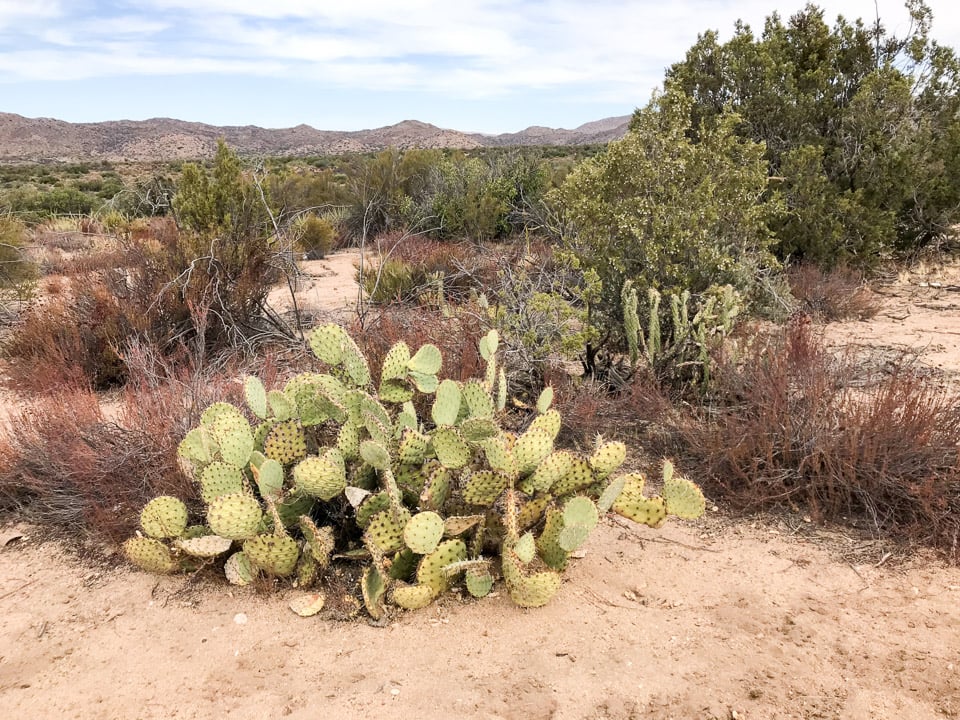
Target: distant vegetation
(769, 176)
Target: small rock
(240, 618)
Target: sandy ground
(324, 286)
(713, 619)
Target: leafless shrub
(837, 294)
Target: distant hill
(45, 139)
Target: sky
(473, 65)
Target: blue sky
(482, 65)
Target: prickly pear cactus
(338, 465)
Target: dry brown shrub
(837, 294)
(798, 427)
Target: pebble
(240, 618)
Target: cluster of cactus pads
(333, 467)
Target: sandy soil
(713, 619)
(325, 286)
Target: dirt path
(677, 623)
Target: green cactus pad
(322, 476)
(545, 400)
(372, 505)
(479, 582)
(646, 511)
(164, 517)
(548, 544)
(530, 512)
(459, 524)
(395, 391)
(501, 389)
(413, 446)
(375, 455)
(608, 457)
(412, 597)
(219, 410)
(579, 477)
(499, 455)
(355, 363)
(611, 492)
(273, 554)
(238, 571)
(476, 430)
(483, 488)
(327, 343)
(531, 449)
(309, 604)
(436, 490)
(530, 591)
(195, 531)
(446, 406)
(423, 532)
(395, 363)
(452, 451)
(489, 344)
(286, 443)
(260, 433)
(425, 383)
(553, 469)
(208, 546)
(373, 586)
(348, 441)
(525, 548)
(281, 405)
(580, 510)
(478, 400)
(234, 438)
(291, 508)
(572, 537)
(431, 573)
(150, 555)
(404, 564)
(219, 478)
(550, 422)
(307, 570)
(320, 540)
(236, 516)
(198, 447)
(683, 498)
(386, 532)
(256, 396)
(427, 360)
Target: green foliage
(18, 274)
(669, 213)
(314, 236)
(860, 126)
(425, 505)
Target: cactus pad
(307, 570)
(550, 422)
(580, 510)
(219, 410)
(530, 512)
(375, 455)
(479, 582)
(476, 430)
(286, 443)
(578, 477)
(572, 537)
(413, 446)
(611, 492)
(256, 396)
(348, 441)
(452, 451)
(545, 400)
(446, 405)
(489, 344)
(395, 363)
(292, 507)
(281, 405)
(164, 517)
(198, 447)
(608, 457)
(436, 490)
(326, 342)
(499, 455)
(320, 541)
(528, 591)
(548, 544)
(478, 400)
(238, 570)
(525, 548)
(423, 532)
(683, 498)
(372, 505)
(355, 363)
(425, 383)
(483, 488)
(413, 597)
(373, 586)
(531, 449)
(322, 476)
(394, 391)
(208, 546)
(219, 478)
(431, 567)
(273, 554)
(459, 524)
(386, 532)
(236, 516)
(150, 555)
(553, 469)
(427, 360)
(646, 511)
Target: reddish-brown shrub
(797, 426)
(837, 294)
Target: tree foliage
(860, 126)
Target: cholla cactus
(428, 503)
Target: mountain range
(47, 140)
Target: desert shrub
(795, 426)
(18, 274)
(339, 464)
(315, 236)
(836, 294)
